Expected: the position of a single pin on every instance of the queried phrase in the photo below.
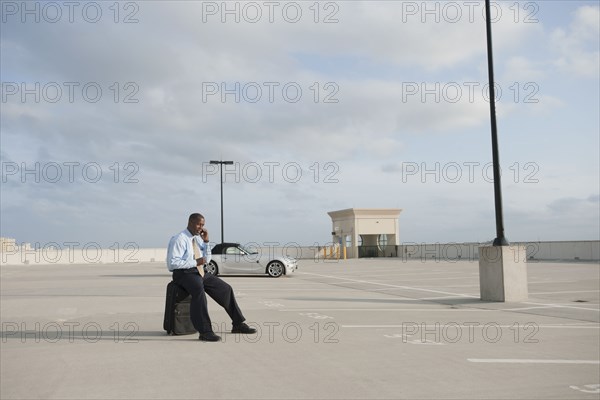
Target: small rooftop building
(7, 244)
(366, 232)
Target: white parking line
(551, 326)
(291, 289)
(389, 285)
(417, 273)
(389, 309)
(559, 306)
(529, 283)
(569, 291)
(445, 278)
(442, 292)
(529, 361)
(526, 308)
(441, 298)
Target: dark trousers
(198, 288)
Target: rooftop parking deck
(354, 329)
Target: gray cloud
(169, 56)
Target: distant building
(7, 245)
(367, 232)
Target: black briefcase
(177, 311)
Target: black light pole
(221, 163)
(500, 239)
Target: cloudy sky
(111, 111)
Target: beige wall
(90, 255)
(443, 252)
(585, 250)
(376, 226)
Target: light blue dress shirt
(180, 253)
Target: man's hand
(204, 235)
(200, 266)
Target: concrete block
(503, 273)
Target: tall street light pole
(221, 163)
(502, 275)
(500, 240)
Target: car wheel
(275, 269)
(212, 268)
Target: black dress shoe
(209, 337)
(243, 328)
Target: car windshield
(247, 250)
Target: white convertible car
(232, 258)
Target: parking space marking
(546, 306)
(529, 283)
(390, 285)
(418, 273)
(527, 308)
(391, 309)
(592, 389)
(438, 298)
(553, 326)
(290, 290)
(559, 306)
(417, 342)
(443, 292)
(568, 291)
(446, 278)
(315, 315)
(270, 304)
(530, 361)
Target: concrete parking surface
(355, 329)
